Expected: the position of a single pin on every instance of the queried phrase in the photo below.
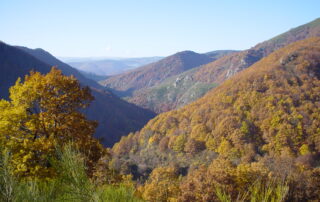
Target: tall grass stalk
(257, 192)
(71, 183)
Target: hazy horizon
(130, 29)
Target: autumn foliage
(263, 119)
(44, 113)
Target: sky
(143, 28)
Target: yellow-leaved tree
(162, 185)
(43, 113)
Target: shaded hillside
(212, 74)
(46, 57)
(115, 116)
(152, 74)
(270, 109)
(112, 66)
(16, 63)
(93, 76)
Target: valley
(160, 102)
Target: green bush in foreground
(70, 184)
(258, 192)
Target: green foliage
(224, 147)
(7, 180)
(222, 196)
(177, 143)
(304, 149)
(258, 192)
(119, 194)
(270, 192)
(70, 184)
(72, 175)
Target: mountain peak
(186, 52)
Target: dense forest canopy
(265, 115)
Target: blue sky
(136, 28)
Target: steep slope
(16, 63)
(172, 93)
(224, 68)
(177, 90)
(46, 57)
(271, 108)
(214, 73)
(115, 116)
(155, 73)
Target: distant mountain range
(219, 53)
(128, 83)
(107, 67)
(115, 116)
(138, 85)
(187, 86)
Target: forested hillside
(189, 86)
(115, 116)
(147, 76)
(261, 124)
(172, 93)
(224, 68)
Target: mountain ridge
(115, 116)
(214, 73)
(218, 71)
(154, 73)
(48, 58)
